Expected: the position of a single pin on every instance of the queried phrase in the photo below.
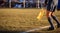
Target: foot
(51, 28)
(58, 26)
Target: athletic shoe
(51, 28)
(58, 26)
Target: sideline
(40, 28)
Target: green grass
(22, 19)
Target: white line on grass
(40, 28)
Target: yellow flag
(41, 13)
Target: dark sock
(55, 19)
(50, 21)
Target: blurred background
(26, 3)
(23, 3)
(4, 3)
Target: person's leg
(49, 11)
(55, 18)
(50, 20)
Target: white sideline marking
(38, 28)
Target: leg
(54, 17)
(50, 20)
(49, 14)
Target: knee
(49, 14)
(52, 14)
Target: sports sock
(54, 17)
(50, 21)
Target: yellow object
(41, 13)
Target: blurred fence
(23, 3)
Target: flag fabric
(41, 14)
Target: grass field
(23, 20)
